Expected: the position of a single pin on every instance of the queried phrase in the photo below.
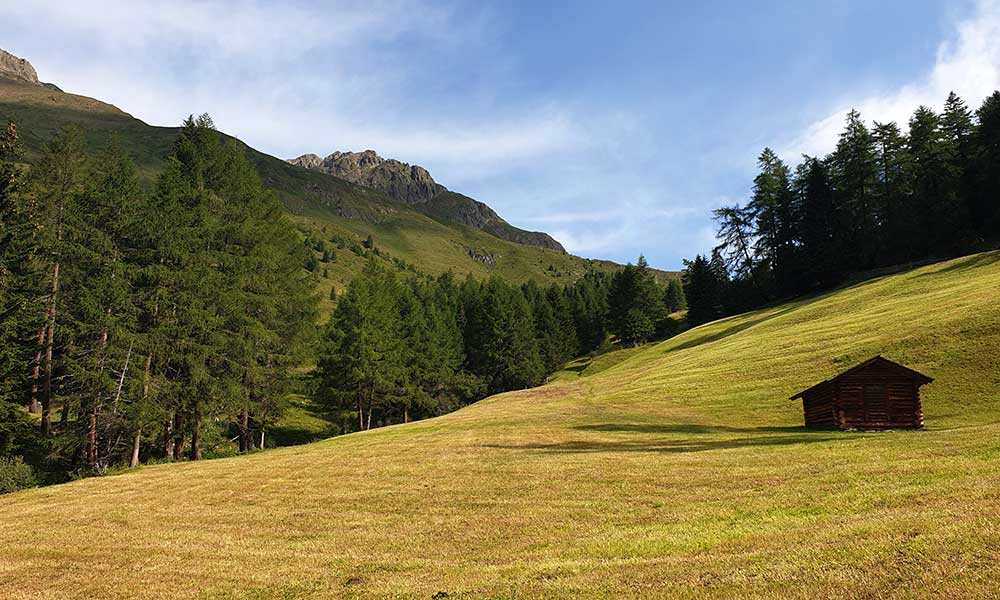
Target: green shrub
(15, 475)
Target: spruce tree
(674, 298)
(818, 226)
(935, 185)
(986, 199)
(18, 315)
(57, 180)
(772, 214)
(898, 219)
(854, 175)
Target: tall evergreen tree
(935, 184)
(986, 199)
(818, 224)
(500, 338)
(58, 179)
(898, 227)
(703, 290)
(853, 172)
(18, 315)
(674, 298)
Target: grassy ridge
(316, 200)
(681, 471)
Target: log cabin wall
(875, 394)
(819, 407)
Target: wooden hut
(876, 394)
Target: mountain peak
(13, 67)
(411, 184)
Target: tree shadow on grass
(754, 437)
(688, 428)
(739, 327)
(967, 263)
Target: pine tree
(986, 199)
(18, 280)
(958, 127)
(57, 180)
(818, 224)
(364, 355)
(772, 214)
(898, 225)
(735, 234)
(634, 287)
(703, 291)
(853, 172)
(935, 184)
(674, 298)
(500, 344)
(100, 315)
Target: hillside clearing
(682, 471)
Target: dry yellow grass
(681, 472)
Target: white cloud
(275, 31)
(968, 64)
(285, 78)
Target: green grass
(681, 471)
(586, 366)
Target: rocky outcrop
(452, 207)
(16, 68)
(413, 184)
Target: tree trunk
(46, 424)
(92, 439)
(136, 441)
(178, 437)
(168, 438)
(251, 444)
(245, 430)
(261, 438)
(36, 373)
(102, 343)
(361, 411)
(196, 434)
(406, 413)
(371, 405)
(121, 380)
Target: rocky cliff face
(16, 68)
(411, 184)
(414, 185)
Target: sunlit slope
(330, 207)
(680, 472)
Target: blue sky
(616, 127)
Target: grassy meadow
(682, 470)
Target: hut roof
(878, 359)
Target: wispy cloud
(288, 78)
(968, 63)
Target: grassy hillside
(681, 471)
(319, 202)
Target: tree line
(402, 348)
(144, 323)
(883, 197)
(150, 322)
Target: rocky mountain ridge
(18, 69)
(411, 184)
(414, 185)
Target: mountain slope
(331, 208)
(682, 471)
(413, 184)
